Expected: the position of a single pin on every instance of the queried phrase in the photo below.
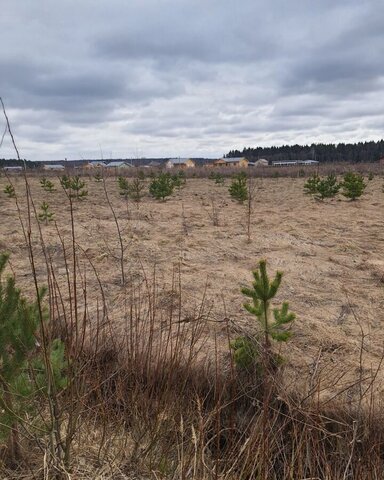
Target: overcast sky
(188, 77)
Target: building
(262, 162)
(240, 162)
(153, 164)
(96, 164)
(13, 169)
(290, 163)
(118, 165)
(180, 163)
(54, 166)
(307, 162)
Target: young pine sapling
(10, 191)
(353, 185)
(262, 292)
(310, 186)
(161, 186)
(47, 185)
(238, 187)
(45, 215)
(77, 188)
(327, 187)
(23, 366)
(65, 182)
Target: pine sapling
(219, 179)
(77, 187)
(45, 215)
(353, 185)
(178, 179)
(123, 186)
(98, 177)
(327, 187)
(10, 191)
(47, 185)
(136, 190)
(238, 187)
(65, 182)
(133, 190)
(262, 292)
(310, 186)
(161, 186)
(23, 370)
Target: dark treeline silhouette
(13, 162)
(341, 152)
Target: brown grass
(162, 395)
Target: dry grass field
(153, 390)
(331, 253)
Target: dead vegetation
(147, 297)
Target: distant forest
(341, 152)
(13, 162)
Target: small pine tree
(245, 352)
(47, 185)
(22, 368)
(123, 186)
(136, 190)
(178, 179)
(371, 176)
(262, 292)
(161, 186)
(10, 191)
(133, 190)
(310, 186)
(65, 182)
(77, 187)
(46, 215)
(238, 188)
(98, 177)
(327, 187)
(353, 185)
(217, 178)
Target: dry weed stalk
(251, 190)
(119, 233)
(214, 213)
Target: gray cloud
(189, 78)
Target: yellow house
(240, 162)
(180, 163)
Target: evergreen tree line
(341, 152)
(14, 162)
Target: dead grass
(164, 372)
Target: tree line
(341, 152)
(14, 162)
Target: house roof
(54, 166)
(118, 164)
(178, 161)
(98, 163)
(233, 159)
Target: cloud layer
(188, 78)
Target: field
(194, 248)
